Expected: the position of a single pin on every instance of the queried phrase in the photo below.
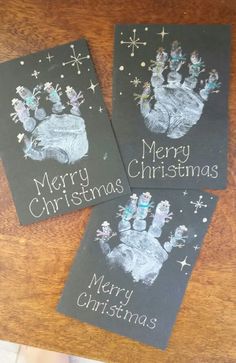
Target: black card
(135, 260)
(57, 143)
(170, 94)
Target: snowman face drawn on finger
(180, 231)
(18, 104)
(161, 55)
(164, 206)
(48, 87)
(70, 92)
(194, 57)
(146, 197)
(23, 92)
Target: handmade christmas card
(135, 260)
(170, 94)
(57, 143)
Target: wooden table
(35, 260)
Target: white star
(92, 86)
(35, 74)
(198, 204)
(196, 247)
(185, 193)
(100, 109)
(135, 82)
(76, 60)
(49, 57)
(133, 43)
(163, 34)
(183, 263)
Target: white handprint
(177, 105)
(57, 136)
(139, 252)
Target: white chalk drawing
(183, 263)
(133, 43)
(138, 250)
(171, 106)
(49, 57)
(31, 101)
(162, 34)
(75, 100)
(59, 136)
(136, 81)
(92, 86)
(35, 74)
(76, 60)
(198, 204)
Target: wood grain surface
(35, 260)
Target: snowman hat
(14, 101)
(147, 195)
(134, 196)
(183, 228)
(69, 88)
(47, 85)
(105, 224)
(19, 88)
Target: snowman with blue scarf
(31, 100)
(54, 95)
